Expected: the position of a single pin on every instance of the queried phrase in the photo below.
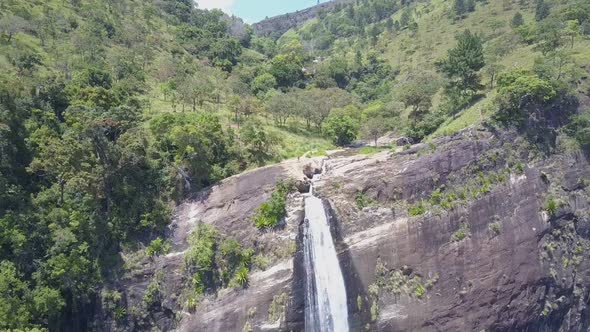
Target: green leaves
(270, 213)
(464, 61)
(518, 90)
(342, 125)
(215, 261)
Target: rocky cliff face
(276, 26)
(480, 231)
(494, 244)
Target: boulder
(310, 170)
(402, 141)
(303, 186)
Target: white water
(326, 309)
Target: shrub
(519, 89)
(579, 128)
(215, 261)
(240, 279)
(419, 291)
(157, 247)
(551, 206)
(496, 228)
(362, 200)
(461, 233)
(270, 213)
(417, 209)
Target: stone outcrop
(479, 231)
(497, 261)
(276, 26)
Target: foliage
(157, 247)
(259, 143)
(461, 233)
(342, 126)
(215, 261)
(551, 205)
(518, 90)
(286, 69)
(580, 128)
(417, 209)
(362, 200)
(271, 212)
(461, 68)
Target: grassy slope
(407, 51)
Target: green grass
(473, 115)
(369, 150)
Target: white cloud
(224, 5)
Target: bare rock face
(229, 206)
(479, 231)
(278, 25)
(457, 237)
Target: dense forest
(112, 112)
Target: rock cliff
(276, 26)
(479, 231)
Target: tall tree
(541, 10)
(464, 62)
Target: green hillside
(112, 112)
(418, 35)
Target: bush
(215, 261)
(579, 128)
(341, 126)
(270, 213)
(551, 206)
(495, 228)
(417, 209)
(157, 247)
(461, 233)
(240, 279)
(362, 200)
(518, 90)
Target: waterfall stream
(326, 307)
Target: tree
(287, 69)
(554, 65)
(541, 10)
(470, 6)
(464, 62)
(282, 106)
(243, 107)
(263, 83)
(258, 142)
(195, 90)
(342, 126)
(406, 17)
(493, 68)
(374, 127)
(319, 103)
(519, 89)
(517, 20)
(459, 8)
(572, 30)
(417, 91)
(11, 25)
(549, 35)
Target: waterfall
(326, 307)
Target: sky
(253, 11)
